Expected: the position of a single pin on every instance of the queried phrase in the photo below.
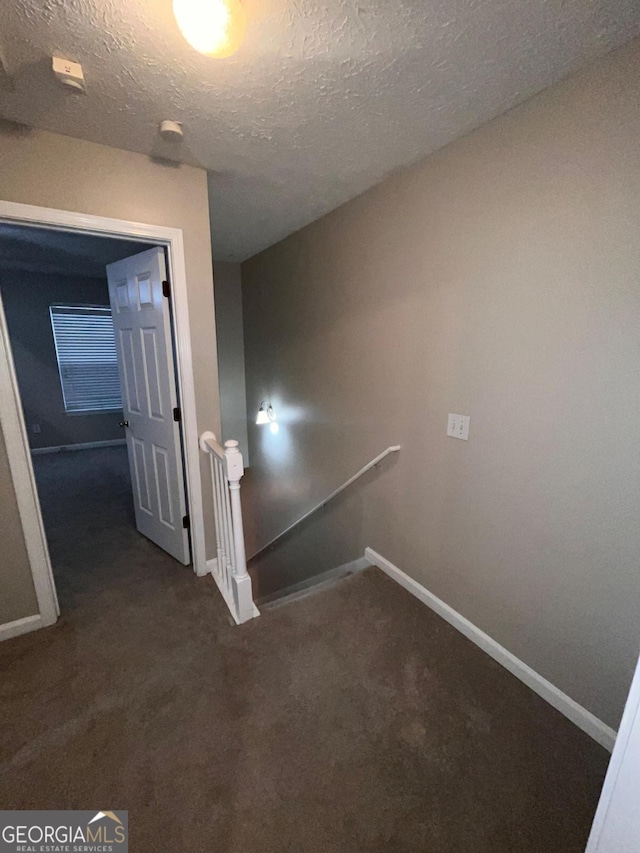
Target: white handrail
(229, 569)
(209, 444)
(393, 449)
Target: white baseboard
(299, 590)
(20, 626)
(354, 566)
(210, 568)
(582, 718)
(86, 445)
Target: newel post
(241, 580)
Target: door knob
(124, 423)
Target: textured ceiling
(321, 102)
(45, 250)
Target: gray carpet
(351, 720)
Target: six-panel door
(145, 357)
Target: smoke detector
(171, 131)
(68, 73)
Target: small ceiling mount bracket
(171, 131)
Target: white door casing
(142, 326)
(12, 421)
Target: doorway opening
(94, 291)
(90, 332)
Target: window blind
(86, 351)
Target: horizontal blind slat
(87, 360)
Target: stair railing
(229, 568)
(374, 462)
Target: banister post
(241, 581)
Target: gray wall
(26, 297)
(499, 278)
(49, 170)
(233, 402)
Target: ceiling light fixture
(265, 416)
(213, 27)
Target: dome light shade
(212, 27)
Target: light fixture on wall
(213, 27)
(265, 416)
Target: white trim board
(11, 417)
(313, 584)
(24, 484)
(21, 626)
(582, 718)
(85, 445)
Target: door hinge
(166, 289)
(185, 522)
(177, 415)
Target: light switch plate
(458, 426)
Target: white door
(616, 826)
(149, 398)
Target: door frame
(11, 415)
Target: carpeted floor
(351, 720)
